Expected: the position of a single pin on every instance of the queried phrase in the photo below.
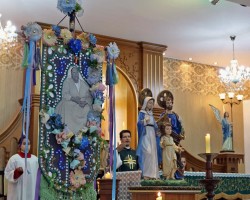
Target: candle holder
(209, 182)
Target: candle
(159, 196)
(107, 175)
(207, 138)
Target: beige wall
(194, 87)
(246, 106)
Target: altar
(231, 185)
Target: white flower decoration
(66, 35)
(113, 50)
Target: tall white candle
(207, 139)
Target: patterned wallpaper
(192, 77)
(11, 84)
(11, 59)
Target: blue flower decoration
(55, 121)
(57, 30)
(66, 6)
(32, 31)
(98, 95)
(76, 152)
(75, 45)
(74, 164)
(84, 143)
(94, 116)
(92, 39)
(113, 50)
(94, 75)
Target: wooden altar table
(167, 192)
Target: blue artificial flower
(94, 117)
(98, 94)
(98, 102)
(94, 75)
(65, 144)
(66, 6)
(84, 143)
(92, 129)
(32, 31)
(55, 121)
(92, 39)
(113, 50)
(58, 121)
(77, 140)
(75, 45)
(74, 164)
(76, 152)
(57, 30)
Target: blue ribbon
(27, 98)
(114, 163)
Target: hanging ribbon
(114, 164)
(112, 123)
(38, 180)
(27, 97)
(33, 32)
(25, 55)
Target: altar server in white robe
(21, 178)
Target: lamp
(232, 99)
(8, 35)
(234, 76)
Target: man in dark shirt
(126, 157)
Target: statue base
(230, 161)
(227, 151)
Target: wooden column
(34, 124)
(152, 67)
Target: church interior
(180, 54)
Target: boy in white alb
(21, 178)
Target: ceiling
(190, 28)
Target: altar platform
(231, 185)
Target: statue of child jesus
(169, 161)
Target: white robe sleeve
(9, 170)
(24, 187)
(118, 159)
